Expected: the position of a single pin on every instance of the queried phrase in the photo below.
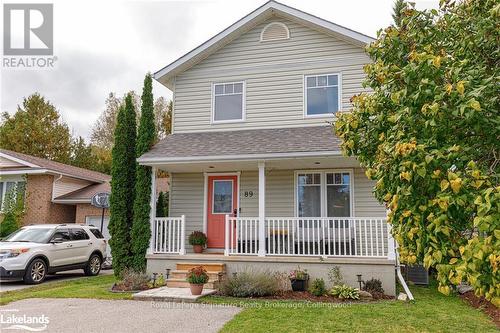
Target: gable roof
(33, 163)
(83, 195)
(246, 23)
(244, 145)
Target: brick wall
(38, 205)
(83, 210)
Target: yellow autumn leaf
(453, 261)
(444, 184)
(475, 105)
(406, 213)
(460, 87)
(456, 184)
(387, 197)
(436, 61)
(449, 88)
(405, 175)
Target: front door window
(223, 197)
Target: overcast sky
(108, 46)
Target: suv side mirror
(56, 240)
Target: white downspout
(400, 277)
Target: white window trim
(339, 85)
(243, 104)
(274, 39)
(323, 173)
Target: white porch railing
(322, 236)
(169, 235)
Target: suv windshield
(35, 235)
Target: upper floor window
(228, 102)
(322, 94)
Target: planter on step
(196, 289)
(198, 248)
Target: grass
(88, 287)
(431, 312)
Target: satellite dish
(100, 200)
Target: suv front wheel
(35, 272)
(93, 266)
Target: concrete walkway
(61, 276)
(90, 315)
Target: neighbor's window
(14, 187)
(324, 193)
(228, 102)
(322, 94)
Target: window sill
(227, 121)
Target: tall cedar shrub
(141, 231)
(160, 205)
(123, 173)
(428, 134)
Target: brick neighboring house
(54, 192)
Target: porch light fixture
(168, 272)
(154, 279)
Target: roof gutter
(231, 158)
(52, 172)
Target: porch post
(391, 244)
(262, 209)
(152, 212)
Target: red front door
(222, 200)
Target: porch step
(182, 283)
(181, 274)
(211, 267)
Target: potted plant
(299, 277)
(198, 239)
(197, 277)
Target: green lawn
(431, 312)
(89, 287)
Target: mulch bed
(484, 305)
(307, 296)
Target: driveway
(88, 315)
(16, 285)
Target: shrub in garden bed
(132, 281)
(250, 284)
(345, 292)
(318, 287)
(373, 286)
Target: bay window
(324, 193)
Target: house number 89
(248, 194)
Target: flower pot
(196, 289)
(197, 248)
(299, 285)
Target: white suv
(34, 251)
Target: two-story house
(253, 159)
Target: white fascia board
(20, 161)
(24, 172)
(230, 158)
(71, 201)
(269, 6)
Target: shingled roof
(69, 170)
(256, 142)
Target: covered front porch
(318, 206)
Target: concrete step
(182, 274)
(210, 266)
(182, 283)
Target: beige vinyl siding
(365, 203)
(67, 185)
(273, 72)
(186, 198)
(7, 163)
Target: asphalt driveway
(89, 315)
(60, 276)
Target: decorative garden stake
(154, 279)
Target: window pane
(228, 88)
(329, 178)
(309, 201)
(322, 100)
(311, 81)
(228, 107)
(345, 178)
(79, 234)
(223, 196)
(338, 201)
(238, 87)
(338, 178)
(1, 194)
(219, 89)
(321, 81)
(10, 186)
(61, 233)
(333, 80)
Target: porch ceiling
(297, 163)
